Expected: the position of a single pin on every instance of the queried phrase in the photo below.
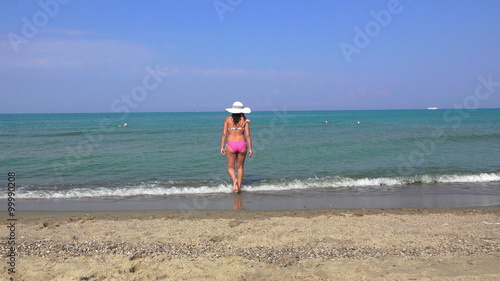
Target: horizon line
(199, 111)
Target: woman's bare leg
(231, 161)
(240, 164)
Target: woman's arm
(223, 139)
(248, 137)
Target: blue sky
(201, 55)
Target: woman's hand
(223, 151)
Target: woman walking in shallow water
(236, 141)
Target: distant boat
(432, 108)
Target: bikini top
(240, 128)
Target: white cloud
(74, 54)
(236, 72)
(65, 32)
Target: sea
(441, 158)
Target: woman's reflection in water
(238, 202)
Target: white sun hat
(238, 108)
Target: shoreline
(33, 216)
(334, 244)
(422, 196)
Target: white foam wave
(330, 182)
(131, 191)
(163, 189)
(483, 177)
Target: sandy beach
(391, 244)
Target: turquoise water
(164, 154)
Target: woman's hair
(237, 118)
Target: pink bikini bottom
(237, 146)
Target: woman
(236, 132)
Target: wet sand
(364, 244)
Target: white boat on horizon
(432, 108)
